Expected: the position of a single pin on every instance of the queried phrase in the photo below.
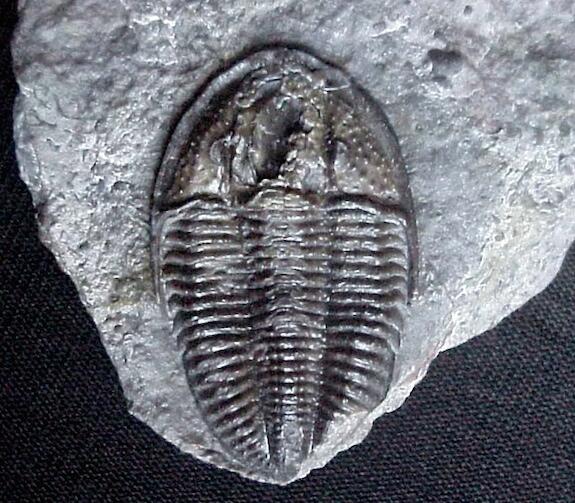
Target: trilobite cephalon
(284, 249)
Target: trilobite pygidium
(284, 246)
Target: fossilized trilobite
(284, 249)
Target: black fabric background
(492, 421)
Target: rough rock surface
(481, 96)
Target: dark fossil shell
(284, 249)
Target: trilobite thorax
(284, 251)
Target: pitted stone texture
(481, 99)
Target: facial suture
(284, 250)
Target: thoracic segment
(289, 314)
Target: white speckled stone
(481, 96)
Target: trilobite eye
(284, 244)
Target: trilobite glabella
(284, 251)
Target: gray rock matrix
(480, 94)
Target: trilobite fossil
(284, 248)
